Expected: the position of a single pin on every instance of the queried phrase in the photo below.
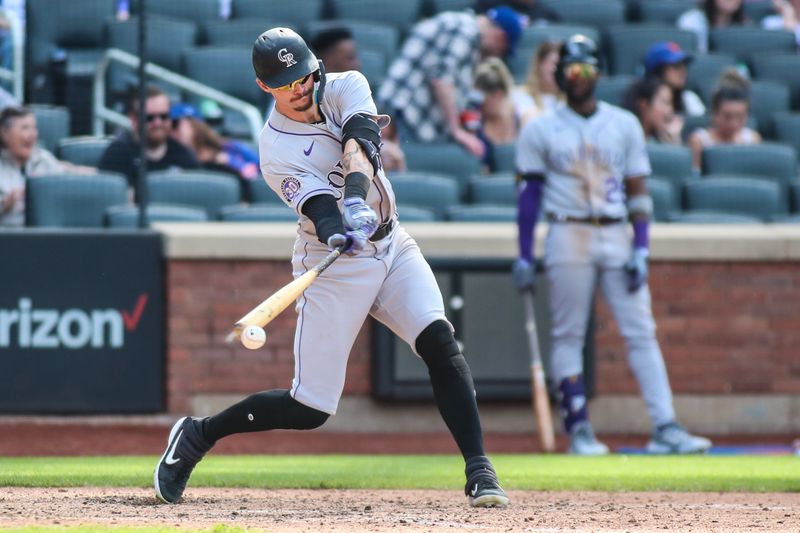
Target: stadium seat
(755, 10)
(127, 216)
(437, 6)
(713, 217)
(53, 123)
(670, 160)
(661, 12)
(794, 195)
(373, 66)
(297, 13)
(76, 26)
(258, 192)
(226, 69)
(71, 200)
(258, 213)
(482, 213)
(495, 190)
(736, 195)
(201, 12)
(402, 15)
(768, 98)
(504, 158)
(745, 42)
(209, 190)
(664, 198)
(533, 36)
(787, 129)
(612, 89)
(82, 150)
(371, 36)
(590, 12)
(237, 33)
(705, 70)
(780, 68)
(410, 213)
(449, 159)
(768, 160)
(628, 43)
(429, 191)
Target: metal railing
(16, 75)
(101, 114)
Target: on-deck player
(588, 161)
(320, 152)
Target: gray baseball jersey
(389, 279)
(585, 162)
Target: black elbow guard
(368, 136)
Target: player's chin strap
(319, 87)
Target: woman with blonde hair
(499, 121)
(540, 91)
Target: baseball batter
(320, 152)
(587, 161)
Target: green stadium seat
(482, 213)
(371, 36)
(127, 216)
(713, 217)
(589, 12)
(755, 10)
(767, 160)
(664, 198)
(53, 123)
(240, 33)
(437, 6)
(628, 43)
(787, 129)
(410, 213)
(736, 195)
(226, 69)
(258, 192)
(83, 149)
(449, 159)
(505, 158)
(373, 66)
(670, 160)
(210, 190)
(426, 190)
(794, 195)
(745, 42)
(780, 68)
(297, 13)
(402, 15)
(200, 12)
(705, 70)
(258, 213)
(72, 200)
(612, 89)
(661, 12)
(495, 190)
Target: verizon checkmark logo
(132, 319)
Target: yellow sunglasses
(580, 70)
(295, 83)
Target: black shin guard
(273, 409)
(452, 386)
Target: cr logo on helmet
(286, 57)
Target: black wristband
(325, 214)
(356, 184)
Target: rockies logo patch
(290, 188)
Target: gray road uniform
(388, 279)
(586, 162)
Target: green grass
(517, 472)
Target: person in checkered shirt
(428, 82)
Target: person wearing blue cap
(666, 61)
(428, 83)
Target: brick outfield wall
(724, 328)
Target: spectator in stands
(785, 17)
(730, 107)
(540, 92)
(669, 63)
(211, 150)
(713, 15)
(336, 48)
(650, 99)
(499, 123)
(530, 8)
(428, 82)
(22, 158)
(163, 152)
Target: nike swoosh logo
(474, 490)
(170, 459)
(308, 152)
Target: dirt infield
(384, 511)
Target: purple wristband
(641, 237)
(530, 199)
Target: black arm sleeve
(532, 176)
(325, 214)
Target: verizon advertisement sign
(81, 322)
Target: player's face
(298, 95)
(730, 117)
(158, 121)
(581, 79)
(675, 75)
(20, 137)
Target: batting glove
(523, 274)
(354, 241)
(359, 216)
(636, 269)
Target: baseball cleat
(673, 438)
(583, 442)
(185, 448)
(482, 488)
